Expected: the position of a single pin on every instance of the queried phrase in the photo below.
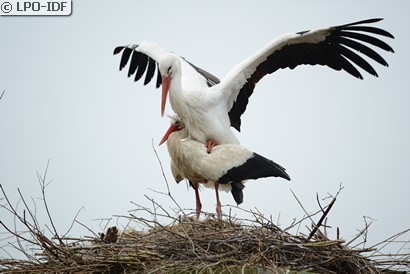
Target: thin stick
(307, 214)
(321, 219)
(72, 223)
(361, 232)
(165, 177)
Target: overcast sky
(66, 101)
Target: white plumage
(227, 166)
(209, 107)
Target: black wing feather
(357, 59)
(370, 30)
(362, 49)
(255, 167)
(366, 21)
(340, 50)
(141, 63)
(368, 39)
(159, 78)
(150, 71)
(134, 63)
(124, 58)
(118, 49)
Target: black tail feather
(237, 192)
(255, 167)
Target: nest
(227, 246)
(176, 242)
(187, 245)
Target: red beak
(166, 81)
(171, 129)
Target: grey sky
(66, 101)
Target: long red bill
(166, 81)
(171, 129)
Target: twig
(72, 223)
(361, 232)
(43, 185)
(86, 227)
(165, 178)
(185, 245)
(304, 210)
(321, 219)
(385, 242)
(317, 200)
(16, 234)
(160, 164)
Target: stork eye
(169, 69)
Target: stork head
(168, 65)
(176, 124)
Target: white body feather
(190, 160)
(204, 109)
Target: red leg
(209, 145)
(218, 202)
(198, 200)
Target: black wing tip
(121, 48)
(360, 77)
(236, 124)
(283, 173)
(354, 31)
(371, 21)
(278, 170)
(118, 50)
(366, 21)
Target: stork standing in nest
(225, 168)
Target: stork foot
(219, 210)
(198, 206)
(198, 212)
(218, 203)
(209, 145)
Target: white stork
(209, 106)
(226, 167)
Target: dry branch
(187, 245)
(180, 243)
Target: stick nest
(187, 245)
(176, 242)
